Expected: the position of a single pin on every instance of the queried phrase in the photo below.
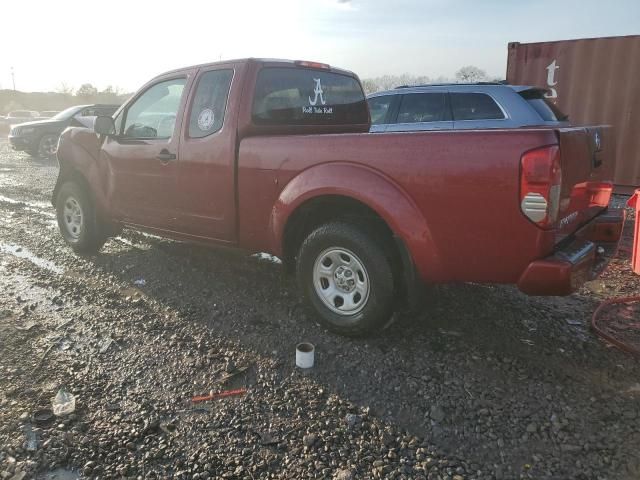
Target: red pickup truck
(274, 156)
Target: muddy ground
(486, 383)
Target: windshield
(66, 114)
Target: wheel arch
(342, 189)
(77, 161)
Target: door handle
(165, 156)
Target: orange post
(634, 202)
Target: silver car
(461, 106)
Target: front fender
(373, 189)
(78, 151)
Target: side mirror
(103, 125)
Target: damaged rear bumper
(583, 259)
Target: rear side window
(300, 96)
(209, 103)
(547, 110)
(379, 108)
(475, 106)
(423, 107)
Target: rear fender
(370, 187)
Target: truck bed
(464, 183)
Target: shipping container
(594, 81)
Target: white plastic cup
(305, 353)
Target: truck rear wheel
(346, 278)
(77, 219)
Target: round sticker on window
(206, 119)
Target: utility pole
(13, 79)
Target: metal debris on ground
(230, 374)
(215, 396)
(617, 320)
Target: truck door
(206, 166)
(141, 159)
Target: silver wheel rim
(73, 217)
(49, 146)
(341, 281)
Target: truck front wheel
(77, 219)
(346, 278)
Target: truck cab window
(153, 114)
(301, 96)
(209, 103)
(423, 107)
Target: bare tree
(388, 82)
(65, 89)
(470, 74)
(86, 90)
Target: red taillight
(599, 193)
(540, 182)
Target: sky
(125, 43)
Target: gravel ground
(484, 384)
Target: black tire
(89, 235)
(368, 248)
(47, 146)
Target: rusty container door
(594, 81)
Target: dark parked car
(40, 138)
(461, 107)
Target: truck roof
(269, 62)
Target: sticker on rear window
(319, 95)
(206, 119)
(318, 92)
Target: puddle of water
(155, 237)
(35, 204)
(8, 180)
(21, 252)
(8, 200)
(59, 474)
(125, 241)
(36, 207)
(267, 257)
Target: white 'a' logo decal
(318, 91)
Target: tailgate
(587, 158)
